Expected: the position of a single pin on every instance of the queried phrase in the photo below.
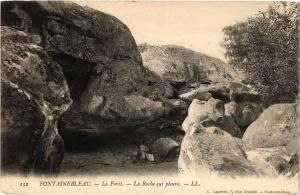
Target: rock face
(208, 114)
(213, 150)
(276, 126)
(241, 106)
(103, 67)
(270, 141)
(246, 113)
(180, 66)
(34, 94)
(273, 161)
(175, 107)
(163, 148)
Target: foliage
(143, 47)
(266, 47)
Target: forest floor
(114, 158)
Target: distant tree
(143, 46)
(266, 47)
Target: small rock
(144, 148)
(164, 148)
(141, 155)
(230, 108)
(135, 153)
(149, 157)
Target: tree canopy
(266, 47)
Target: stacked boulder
(214, 128)
(55, 53)
(209, 113)
(77, 73)
(233, 103)
(212, 142)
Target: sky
(194, 25)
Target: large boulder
(276, 126)
(164, 148)
(98, 36)
(34, 93)
(181, 67)
(103, 67)
(213, 150)
(208, 114)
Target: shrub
(266, 47)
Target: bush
(266, 47)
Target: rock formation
(182, 67)
(34, 94)
(75, 73)
(65, 51)
(212, 150)
(268, 146)
(276, 126)
(103, 67)
(270, 141)
(208, 114)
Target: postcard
(149, 97)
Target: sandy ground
(114, 158)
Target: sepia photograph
(144, 97)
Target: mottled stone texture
(213, 150)
(62, 51)
(276, 126)
(100, 61)
(209, 114)
(33, 95)
(182, 67)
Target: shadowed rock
(34, 94)
(243, 113)
(100, 60)
(164, 148)
(208, 114)
(225, 91)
